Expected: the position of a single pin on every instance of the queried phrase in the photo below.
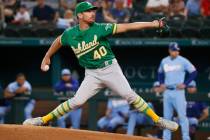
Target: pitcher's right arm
(55, 46)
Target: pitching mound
(20, 132)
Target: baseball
(46, 68)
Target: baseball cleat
(34, 121)
(163, 123)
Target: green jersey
(90, 46)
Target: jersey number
(100, 53)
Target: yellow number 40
(100, 53)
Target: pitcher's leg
(117, 82)
(89, 87)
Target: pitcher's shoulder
(71, 29)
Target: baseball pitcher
(89, 42)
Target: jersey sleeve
(106, 29)
(189, 67)
(160, 69)
(28, 86)
(11, 88)
(65, 38)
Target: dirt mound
(20, 132)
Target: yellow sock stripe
(56, 113)
(66, 106)
(53, 115)
(67, 102)
(142, 108)
(114, 28)
(60, 110)
(48, 117)
(137, 101)
(140, 105)
(62, 105)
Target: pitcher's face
(88, 16)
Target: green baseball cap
(84, 6)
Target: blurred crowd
(61, 12)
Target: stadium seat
(10, 32)
(164, 34)
(139, 5)
(175, 23)
(205, 32)
(42, 32)
(134, 34)
(152, 33)
(26, 32)
(194, 17)
(56, 32)
(156, 16)
(175, 33)
(136, 16)
(193, 23)
(190, 32)
(206, 23)
(177, 17)
(121, 35)
(1, 30)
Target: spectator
(176, 7)
(66, 5)
(103, 13)
(116, 113)
(67, 85)
(1, 11)
(67, 21)
(205, 8)
(138, 118)
(10, 8)
(4, 107)
(192, 8)
(139, 6)
(21, 87)
(42, 13)
(22, 16)
(120, 13)
(128, 3)
(157, 6)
